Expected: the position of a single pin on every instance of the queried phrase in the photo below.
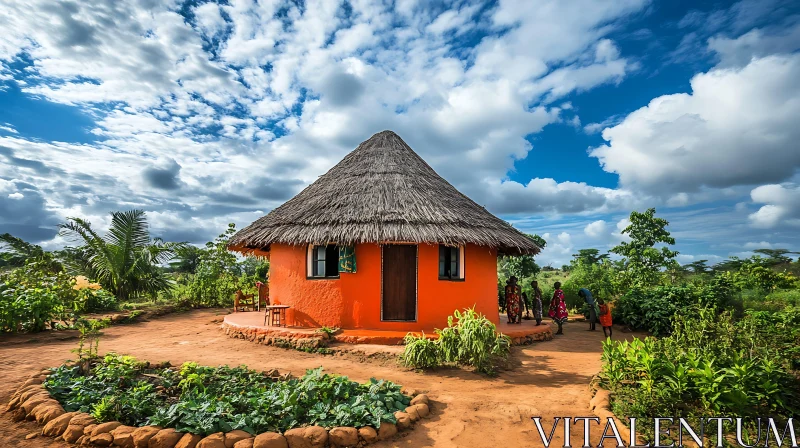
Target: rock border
(32, 401)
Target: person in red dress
(558, 308)
(512, 301)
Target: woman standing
(512, 300)
(537, 302)
(558, 308)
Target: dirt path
(551, 379)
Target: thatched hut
(381, 242)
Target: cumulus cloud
(782, 206)
(596, 229)
(737, 127)
(249, 101)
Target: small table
(278, 311)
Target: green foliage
(14, 252)
(522, 266)
(642, 260)
(89, 333)
(600, 278)
(589, 257)
(218, 275)
(205, 400)
(470, 339)
(126, 260)
(652, 309)
(420, 352)
(753, 274)
(330, 331)
(89, 300)
(710, 365)
(34, 296)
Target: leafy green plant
(330, 331)
(470, 339)
(420, 352)
(204, 400)
(89, 335)
(711, 364)
(35, 296)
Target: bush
(205, 400)
(33, 296)
(420, 352)
(652, 308)
(710, 365)
(599, 278)
(89, 300)
(218, 275)
(756, 299)
(470, 339)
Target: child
(605, 317)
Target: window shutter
(442, 260)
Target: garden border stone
(32, 401)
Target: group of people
(515, 300)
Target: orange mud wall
(354, 300)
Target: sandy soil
(549, 379)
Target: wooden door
(399, 293)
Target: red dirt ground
(549, 379)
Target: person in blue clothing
(593, 313)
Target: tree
(776, 256)
(642, 260)
(188, 258)
(589, 256)
(520, 266)
(126, 261)
(15, 251)
(698, 267)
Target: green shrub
(420, 352)
(205, 400)
(470, 339)
(711, 364)
(652, 308)
(34, 296)
(773, 301)
(89, 300)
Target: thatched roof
(381, 192)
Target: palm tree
(126, 260)
(14, 251)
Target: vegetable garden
(205, 400)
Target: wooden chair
(263, 295)
(242, 300)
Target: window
(324, 261)
(451, 263)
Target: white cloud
(187, 107)
(737, 127)
(782, 206)
(16, 195)
(761, 245)
(596, 229)
(8, 127)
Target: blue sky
(561, 117)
